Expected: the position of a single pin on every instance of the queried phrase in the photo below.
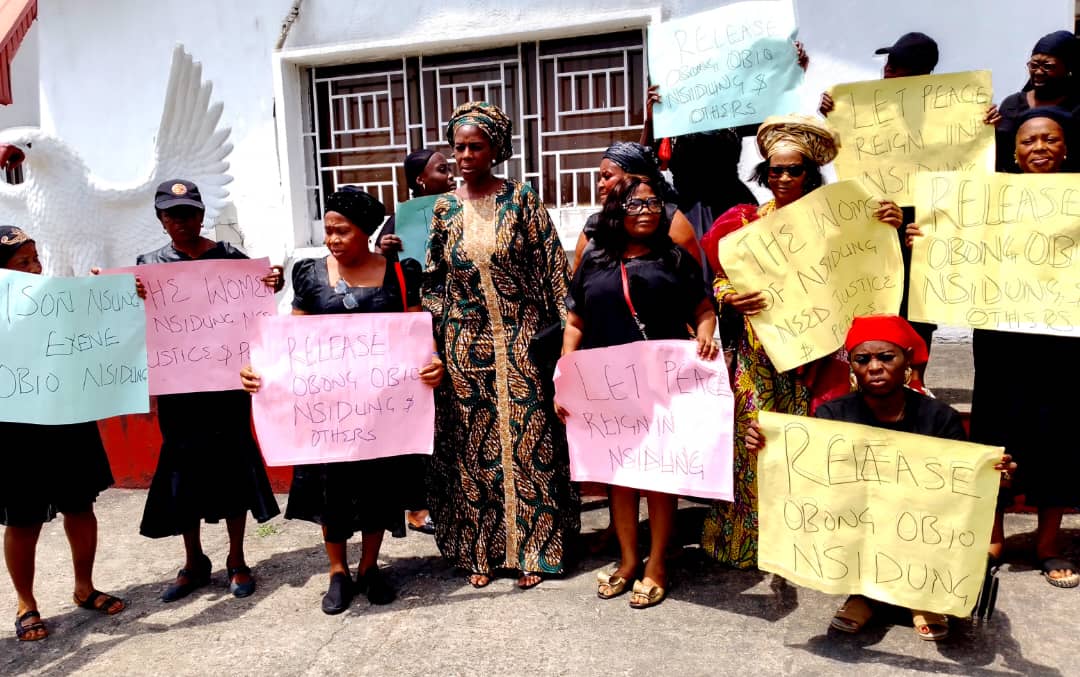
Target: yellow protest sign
(851, 509)
(999, 251)
(892, 130)
(820, 261)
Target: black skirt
(210, 467)
(351, 497)
(50, 469)
(1022, 404)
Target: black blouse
(183, 417)
(922, 415)
(665, 288)
(314, 295)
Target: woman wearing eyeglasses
(794, 147)
(365, 496)
(1050, 83)
(636, 284)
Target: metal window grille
(569, 99)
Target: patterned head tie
(11, 238)
(639, 160)
(360, 208)
(490, 120)
(801, 133)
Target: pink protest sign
(342, 387)
(199, 317)
(650, 415)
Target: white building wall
(104, 65)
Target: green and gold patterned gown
(500, 481)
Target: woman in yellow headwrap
(497, 277)
(794, 147)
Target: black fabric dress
(210, 467)
(922, 415)
(1023, 399)
(353, 496)
(925, 330)
(665, 288)
(49, 469)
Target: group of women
(498, 284)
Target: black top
(665, 288)
(1011, 109)
(169, 254)
(922, 415)
(217, 414)
(314, 295)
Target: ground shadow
(969, 648)
(421, 581)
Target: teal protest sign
(412, 220)
(71, 349)
(731, 66)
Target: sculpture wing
(189, 145)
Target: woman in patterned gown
(496, 276)
(794, 147)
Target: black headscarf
(360, 208)
(634, 158)
(1060, 45)
(415, 163)
(1058, 115)
(11, 239)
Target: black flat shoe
(378, 589)
(241, 589)
(196, 579)
(339, 596)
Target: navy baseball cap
(178, 193)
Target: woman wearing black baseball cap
(210, 468)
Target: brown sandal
(23, 629)
(645, 596)
(852, 615)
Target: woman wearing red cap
(883, 350)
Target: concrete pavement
(716, 621)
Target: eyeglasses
(652, 205)
(794, 171)
(1041, 66)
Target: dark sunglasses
(652, 205)
(794, 171)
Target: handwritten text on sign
(820, 261)
(892, 130)
(199, 316)
(999, 251)
(730, 66)
(71, 349)
(850, 509)
(649, 415)
(342, 387)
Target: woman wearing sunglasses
(794, 147)
(636, 284)
(365, 496)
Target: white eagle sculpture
(81, 221)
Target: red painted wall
(133, 443)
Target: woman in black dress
(365, 496)
(210, 468)
(637, 284)
(34, 487)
